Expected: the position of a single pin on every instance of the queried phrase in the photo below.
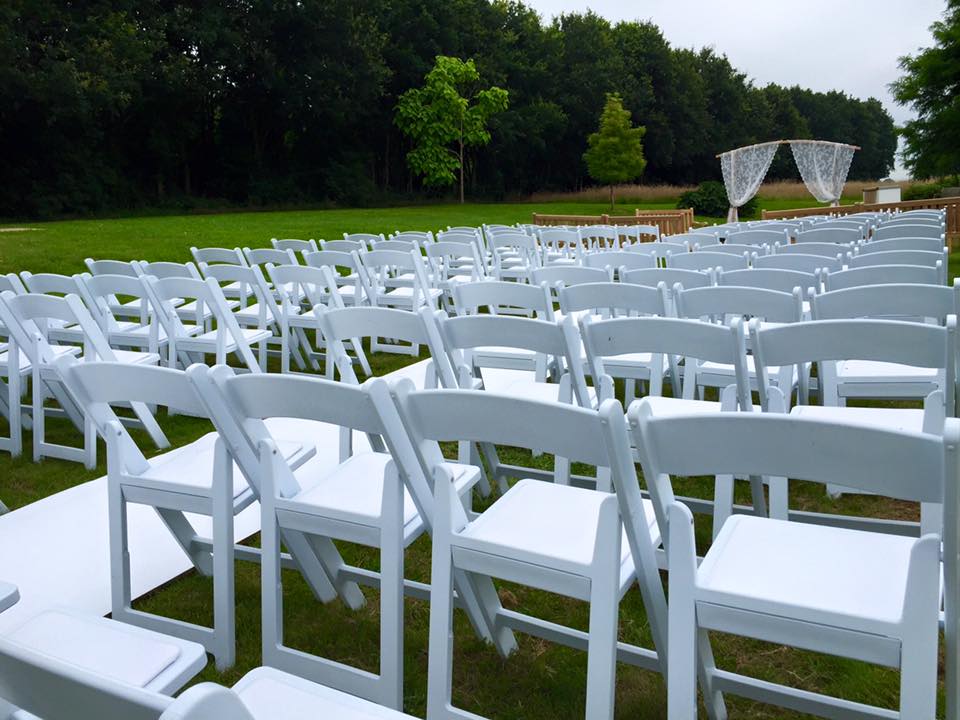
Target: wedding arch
(823, 167)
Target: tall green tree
(443, 123)
(931, 86)
(615, 154)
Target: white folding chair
(759, 236)
(197, 478)
(100, 292)
(718, 304)
(859, 358)
(561, 246)
(599, 237)
(560, 276)
(868, 596)
(315, 286)
(514, 256)
(669, 277)
(606, 341)
(377, 498)
(227, 337)
(346, 270)
(451, 263)
(186, 310)
(527, 536)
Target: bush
(710, 199)
(922, 191)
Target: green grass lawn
(541, 680)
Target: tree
(931, 85)
(437, 116)
(616, 151)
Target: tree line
(109, 104)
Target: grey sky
(849, 45)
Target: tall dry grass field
(635, 193)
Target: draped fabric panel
(823, 167)
(743, 171)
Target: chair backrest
(701, 261)
(695, 340)
(814, 248)
(732, 249)
(404, 245)
(164, 269)
(902, 243)
(844, 236)
(335, 259)
(718, 302)
(599, 235)
(798, 262)
(378, 266)
(50, 283)
(100, 291)
(611, 299)
(897, 230)
(464, 333)
(770, 279)
(111, 267)
(262, 256)
(218, 256)
(346, 246)
(98, 385)
(930, 302)
(897, 464)
(238, 405)
(496, 295)
(825, 341)
(561, 240)
(689, 239)
(26, 319)
(900, 257)
(455, 259)
(882, 274)
(617, 259)
(298, 246)
(556, 276)
(416, 237)
(670, 276)
(759, 236)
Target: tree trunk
(611, 199)
(461, 170)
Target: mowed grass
(541, 680)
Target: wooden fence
(951, 205)
(670, 222)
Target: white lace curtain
(823, 167)
(743, 172)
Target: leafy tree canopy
(931, 86)
(442, 123)
(615, 153)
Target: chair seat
(876, 371)
(189, 470)
(713, 368)
(189, 310)
(404, 294)
(353, 490)
(24, 361)
(903, 419)
(668, 407)
(121, 652)
(209, 339)
(542, 391)
(135, 357)
(250, 315)
(516, 527)
(813, 573)
(270, 694)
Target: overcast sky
(849, 45)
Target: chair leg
(440, 658)
(604, 615)
(224, 605)
(391, 591)
(39, 417)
